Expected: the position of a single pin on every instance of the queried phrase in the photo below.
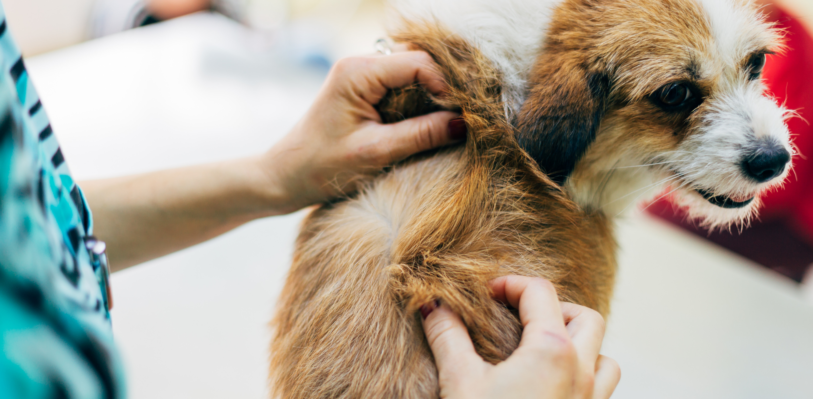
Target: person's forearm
(147, 216)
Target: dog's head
(630, 96)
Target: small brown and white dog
(576, 110)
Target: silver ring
(382, 46)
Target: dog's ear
(559, 119)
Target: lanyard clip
(98, 258)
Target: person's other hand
(168, 9)
(558, 355)
(342, 138)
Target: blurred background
(310, 28)
(138, 85)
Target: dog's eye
(676, 97)
(756, 65)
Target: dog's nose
(767, 162)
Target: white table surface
(689, 320)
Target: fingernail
(429, 308)
(457, 129)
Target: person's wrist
(271, 189)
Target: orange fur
(438, 226)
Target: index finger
(404, 68)
(538, 305)
(450, 343)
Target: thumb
(424, 133)
(450, 342)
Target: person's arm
(558, 355)
(147, 216)
(340, 141)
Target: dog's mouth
(726, 202)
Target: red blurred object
(783, 237)
(788, 79)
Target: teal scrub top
(55, 328)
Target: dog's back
(438, 226)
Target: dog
(576, 110)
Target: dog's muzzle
(766, 161)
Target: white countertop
(689, 320)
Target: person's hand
(558, 356)
(168, 9)
(341, 138)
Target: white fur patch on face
(508, 32)
(728, 23)
(712, 159)
(738, 30)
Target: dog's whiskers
(644, 165)
(656, 199)
(603, 187)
